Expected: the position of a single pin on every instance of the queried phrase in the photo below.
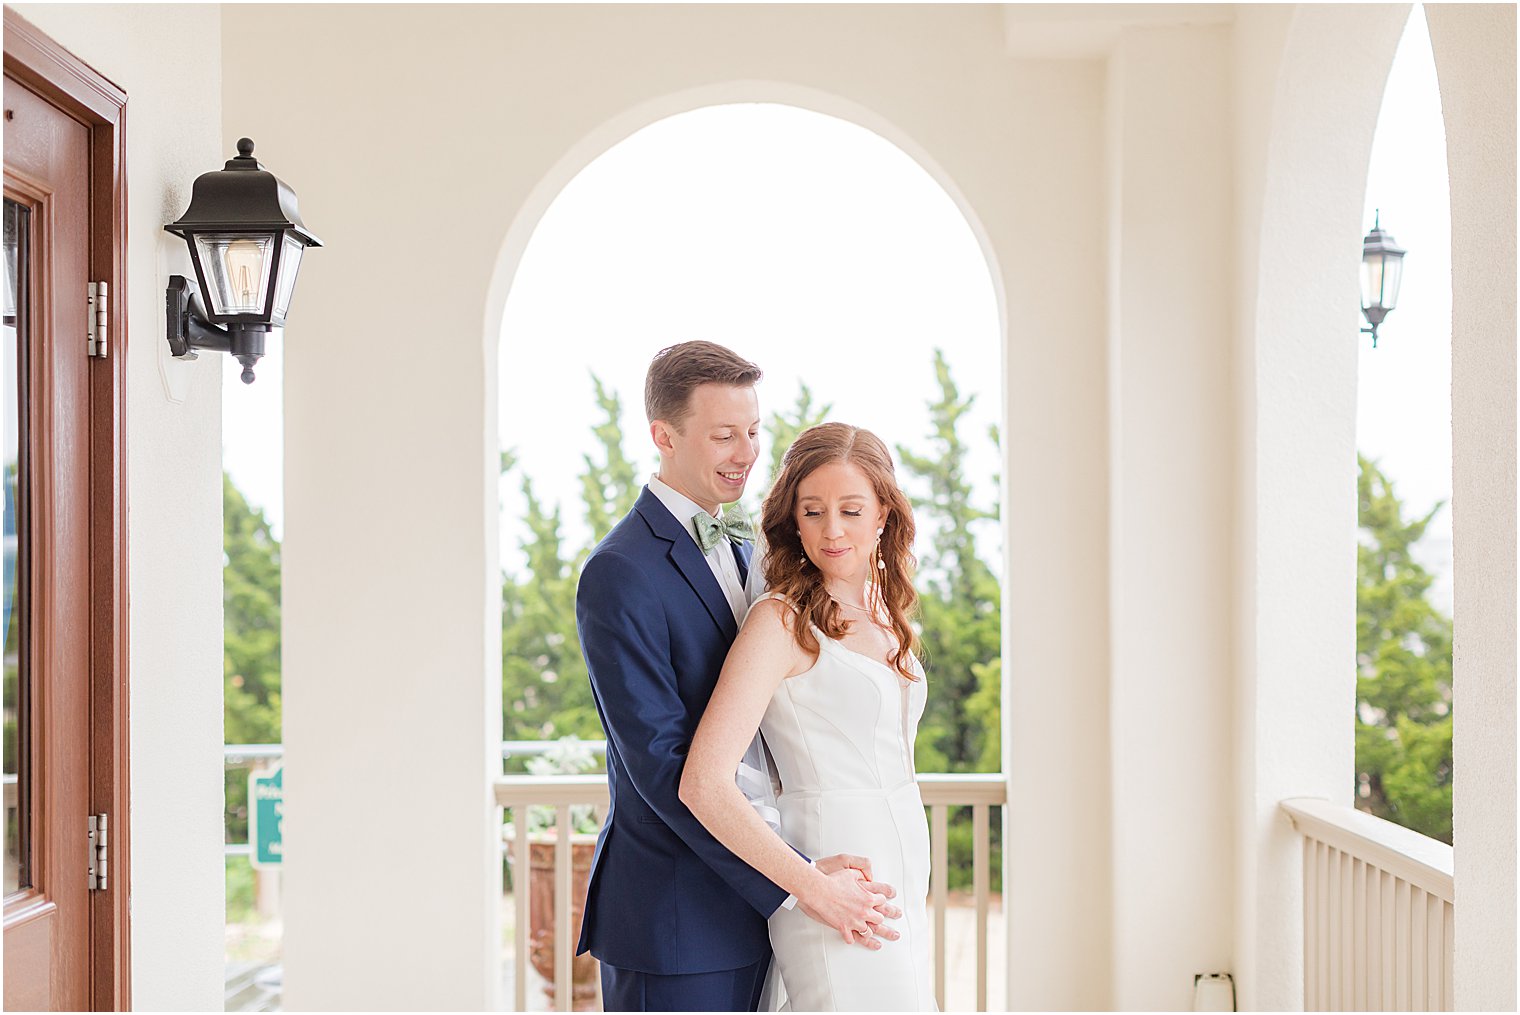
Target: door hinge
(97, 859)
(99, 327)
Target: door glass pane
(13, 418)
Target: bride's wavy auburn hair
(791, 575)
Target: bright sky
(1404, 389)
(822, 252)
(807, 244)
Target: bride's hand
(843, 899)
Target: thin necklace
(870, 615)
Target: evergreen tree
(1403, 658)
(545, 690)
(609, 487)
(783, 428)
(960, 618)
(546, 693)
(961, 605)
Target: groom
(677, 921)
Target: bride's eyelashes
(818, 514)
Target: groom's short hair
(678, 370)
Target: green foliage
(960, 620)
(609, 487)
(545, 690)
(961, 603)
(240, 890)
(783, 427)
(251, 640)
(1403, 658)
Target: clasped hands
(843, 896)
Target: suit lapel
(688, 560)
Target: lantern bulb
(245, 263)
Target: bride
(824, 668)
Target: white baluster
(939, 845)
(522, 876)
(980, 846)
(564, 947)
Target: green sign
(266, 813)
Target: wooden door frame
(83, 93)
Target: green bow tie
(732, 525)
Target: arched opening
(1404, 574)
(826, 254)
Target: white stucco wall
(173, 125)
(1475, 60)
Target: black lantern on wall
(246, 239)
(1382, 271)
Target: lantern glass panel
(1393, 271)
(290, 263)
(237, 270)
(1372, 281)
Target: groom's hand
(846, 900)
(840, 861)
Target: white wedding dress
(842, 737)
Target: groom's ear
(660, 431)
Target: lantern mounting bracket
(190, 330)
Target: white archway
(591, 145)
(579, 158)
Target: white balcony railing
(517, 793)
(940, 792)
(1378, 912)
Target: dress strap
(778, 597)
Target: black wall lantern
(246, 239)
(1382, 270)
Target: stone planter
(541, 939)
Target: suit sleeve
(623, 632)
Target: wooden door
(65, 909)
(47, 916)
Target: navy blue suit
(665, 898)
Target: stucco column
(1475, 59)
(1309, 83)
(1055, 681)
(1169, 445)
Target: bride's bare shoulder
(771, 627)
(771, 616)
